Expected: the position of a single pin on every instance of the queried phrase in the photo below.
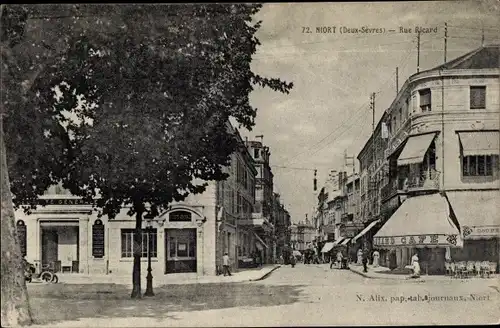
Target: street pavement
(242, 275)
(305, 295)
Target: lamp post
(149, 277)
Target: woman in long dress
(416, 265)
(376, 259)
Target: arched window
(180, 216)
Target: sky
(327, 113)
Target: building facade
(282, 224)
(190, 236)
(303, 235)
(262, 220)
(442, 150)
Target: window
(425, 100)
(182, 247)
(477, 97)
(479, 165)
(127, 240)
(256, 153)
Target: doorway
(180, 247)
(60, 247)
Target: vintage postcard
(271, 164)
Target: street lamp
(149, 277)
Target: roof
(480, 58)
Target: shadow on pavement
(53, 303)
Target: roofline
(441, 69)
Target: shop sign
(98, 239)
(63, 201)
(469, 232)
(417, 240)
(393, 144)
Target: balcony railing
(427, 180)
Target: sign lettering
(98, 239)
(63, 201)
(415, 240)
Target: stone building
(188, 237)
(443, 154)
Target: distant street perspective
(275, 164)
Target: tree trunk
(136, 273)
(15, 303)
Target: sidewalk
(170, 279)
(384, 273)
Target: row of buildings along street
(240, 215)
(429, 173)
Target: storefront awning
(415, 149)
(338, 241)
(260, 242)
(328, 247)
(421, 221)
(365, 230)
(480, 142)
(477, 213)
(346, 241)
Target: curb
(371, 277)
(267, 274)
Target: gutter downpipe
(442, 130)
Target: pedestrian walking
(339, 259)
(225, 263)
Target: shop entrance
(180, 247)
(60, 246)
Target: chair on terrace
(469, 270)
(453, 269)
(492, 268)
(477, 268)
(461, 269)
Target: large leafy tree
(144, 96)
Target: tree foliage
(145, 96)
(130, 104)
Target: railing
(425, 180)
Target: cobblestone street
(304, 295)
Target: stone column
(84, 245)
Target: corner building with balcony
(443, 155)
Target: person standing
(360, 256)
(415, 265)
(365, 262)
(225, 265)
(376, 259)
